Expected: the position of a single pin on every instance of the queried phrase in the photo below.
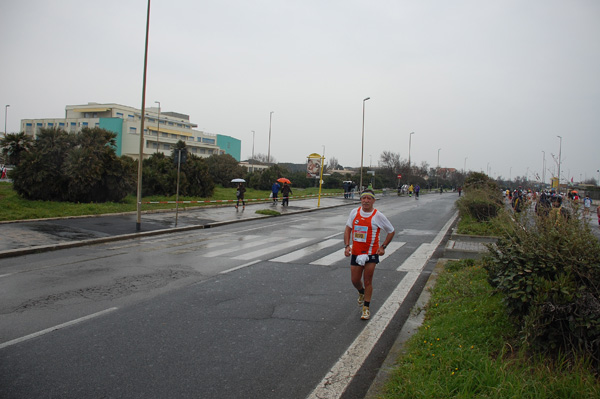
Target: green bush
(548, 269)
(482, 199)
(74, 167)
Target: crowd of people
(548, 201)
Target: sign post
(313, 166)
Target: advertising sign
(313, 168)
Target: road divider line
(240, 267)
(58, 327)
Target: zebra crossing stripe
(307, 251)
(261, 252)
(237, 246)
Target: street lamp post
(158, 125)
(409, 144)
(253, 149)
(543, 169)
(138, 223)
(465, 166)
(269, 151)
(362, 151)
(559, 155)
(5, 116)
(437, 175)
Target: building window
(50, 124)
(84, 124)
(130, 117)
(208, 141)
(132, 130)
(120, 115)
(61, 124)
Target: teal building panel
(230, 145)
(114, 125)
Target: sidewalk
(40, 235)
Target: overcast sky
(489, 83)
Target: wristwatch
(384, 246)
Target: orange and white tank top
(365, 236)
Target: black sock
(362, 291)
(367, 303)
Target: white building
(160, 135)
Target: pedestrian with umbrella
(241, 189)
(286, 190)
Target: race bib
(360, 233)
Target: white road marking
(240, 267)
(339, 255)
(339, 377)
(58, 327)
(259, 253)
(235, 246)
(307, 250)
(420, 257)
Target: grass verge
(13, 207)
(465, 349)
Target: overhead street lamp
(138, 224)
(543, 169)
(362, 151)
(437, 174)
(253, 149)
(158, 132)
(5, 115)
(559, 155)
(269, 151)
(409, 144)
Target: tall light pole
(158, 132)
(269, 151)
(362, 151)
(5, 116)
(138, 224)
(437, 177)
(465, 166)
(543, 169)
(253, 133)
(559, 155)
(409, 144)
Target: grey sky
(491, 81)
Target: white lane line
(58, 327)
(419, 258)
(259, 253)
(240, 267)
(330, 259)
(236, 246)
(339, 255)
(311, 249)
(339, 377)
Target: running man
(361, 238)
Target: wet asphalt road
(243, 310)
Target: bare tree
(333, 164)
(264, 158)
(390, 161)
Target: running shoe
(361, 299)
(366, 315)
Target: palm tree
(13, 145)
